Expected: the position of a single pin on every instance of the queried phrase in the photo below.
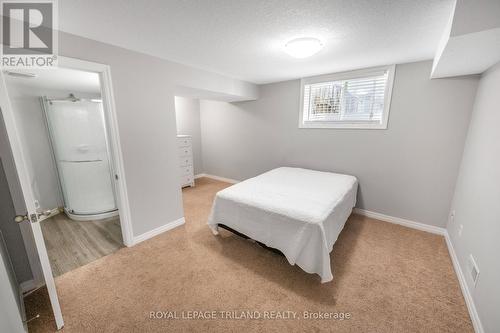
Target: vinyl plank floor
(71, 244)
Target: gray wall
(143, 87)
(187, 116)
(476, 196)
(407, 171)
(144, 101)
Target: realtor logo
(29, 33)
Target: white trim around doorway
(116, 161)
(108, 100)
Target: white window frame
(303, 123)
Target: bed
(298, 211)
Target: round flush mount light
(303, 47)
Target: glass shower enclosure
(77, 131)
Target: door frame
(116, 155)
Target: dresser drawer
(187, 170)
(185, 151)
(183, 141)
(185, 160)
(186, 180)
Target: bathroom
(64, 133)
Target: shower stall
(77, 130)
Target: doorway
(69, 156)
(47, 171)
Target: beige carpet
(386, 277)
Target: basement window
(357, 99)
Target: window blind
(352, 100)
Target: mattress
(298, 211)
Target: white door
(32, 215)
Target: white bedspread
(298, 211)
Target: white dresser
(185, 148)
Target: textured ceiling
(244, 39)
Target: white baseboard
(397, 220)
(469, 301)
(159, 230)
(222, 179)
(28, 286)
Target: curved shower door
(78, 136)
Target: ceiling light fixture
(303, 47)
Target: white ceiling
(59, 79)
(244, 38)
